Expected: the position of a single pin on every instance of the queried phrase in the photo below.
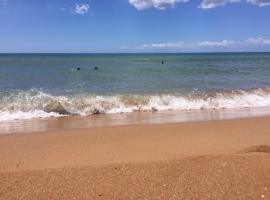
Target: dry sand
(207, 160)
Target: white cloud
(258, 41)
(260, 2)
(183, 45)
(204, 46)
(250, 44)
(207, 4)
(63, 9)
(159, 4)
(170, 45)
(224, 43)
(83, 9)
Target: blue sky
(134, 26)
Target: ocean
(49, 85)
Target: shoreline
(65, 123)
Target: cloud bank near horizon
(259, 41)
(199, 45)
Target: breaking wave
(37, 104)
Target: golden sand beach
(200, 160)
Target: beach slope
(206, 160)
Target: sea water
(49, 85)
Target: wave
(37, 104)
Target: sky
(134, 26)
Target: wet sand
(135, 118)
(200, 160)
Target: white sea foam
(36, 104)
(7, 116)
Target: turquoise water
(43, 85)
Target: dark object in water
(96, 68)
(78, 68)
(162, 62)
